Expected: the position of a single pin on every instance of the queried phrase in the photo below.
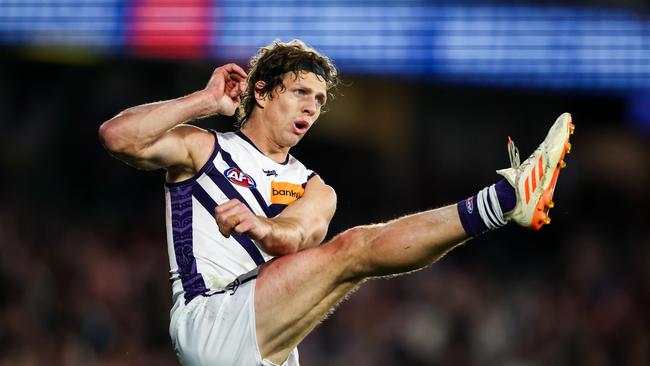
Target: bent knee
(351, 247)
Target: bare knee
(351, 247)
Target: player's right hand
(227, 84)
(234, 216)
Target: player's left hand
(235, 216)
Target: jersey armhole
(309, 177)
(208, 164)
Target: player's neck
(264, 143)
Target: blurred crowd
(75, 295)
(83, 259)
(92, 297)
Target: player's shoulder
(191, 132)
(199, 143)
(194, 137)
(315, 182)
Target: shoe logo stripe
(534, 180)
(527, 191)
(541, 169)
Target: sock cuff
(484, 211)
(489, 208)
(469, 217)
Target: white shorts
(219, 330)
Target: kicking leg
(295, 292)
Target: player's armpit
(307, 219)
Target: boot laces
(513, 153)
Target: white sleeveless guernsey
(201, 259)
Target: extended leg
(294, 293)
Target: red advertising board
(169, 28)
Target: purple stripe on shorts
(181, 217)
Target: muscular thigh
(294, 293)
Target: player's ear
(260, 95)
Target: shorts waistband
(232, 287)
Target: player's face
(292, 111)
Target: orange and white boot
(534, 180)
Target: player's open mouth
(300, 126)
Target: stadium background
(434, 89)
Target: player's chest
(276, 184)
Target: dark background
(83, 263)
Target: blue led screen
(538, 46)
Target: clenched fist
(236, 216)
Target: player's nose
(310, 107)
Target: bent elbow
(118, 141)
(317, 235)
(110, 138)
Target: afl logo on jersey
(239, 178)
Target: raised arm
(151, 136)
(301, 225)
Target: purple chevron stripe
(258, 197)
(276, 208)
(206, 201)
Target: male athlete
(245, 218)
